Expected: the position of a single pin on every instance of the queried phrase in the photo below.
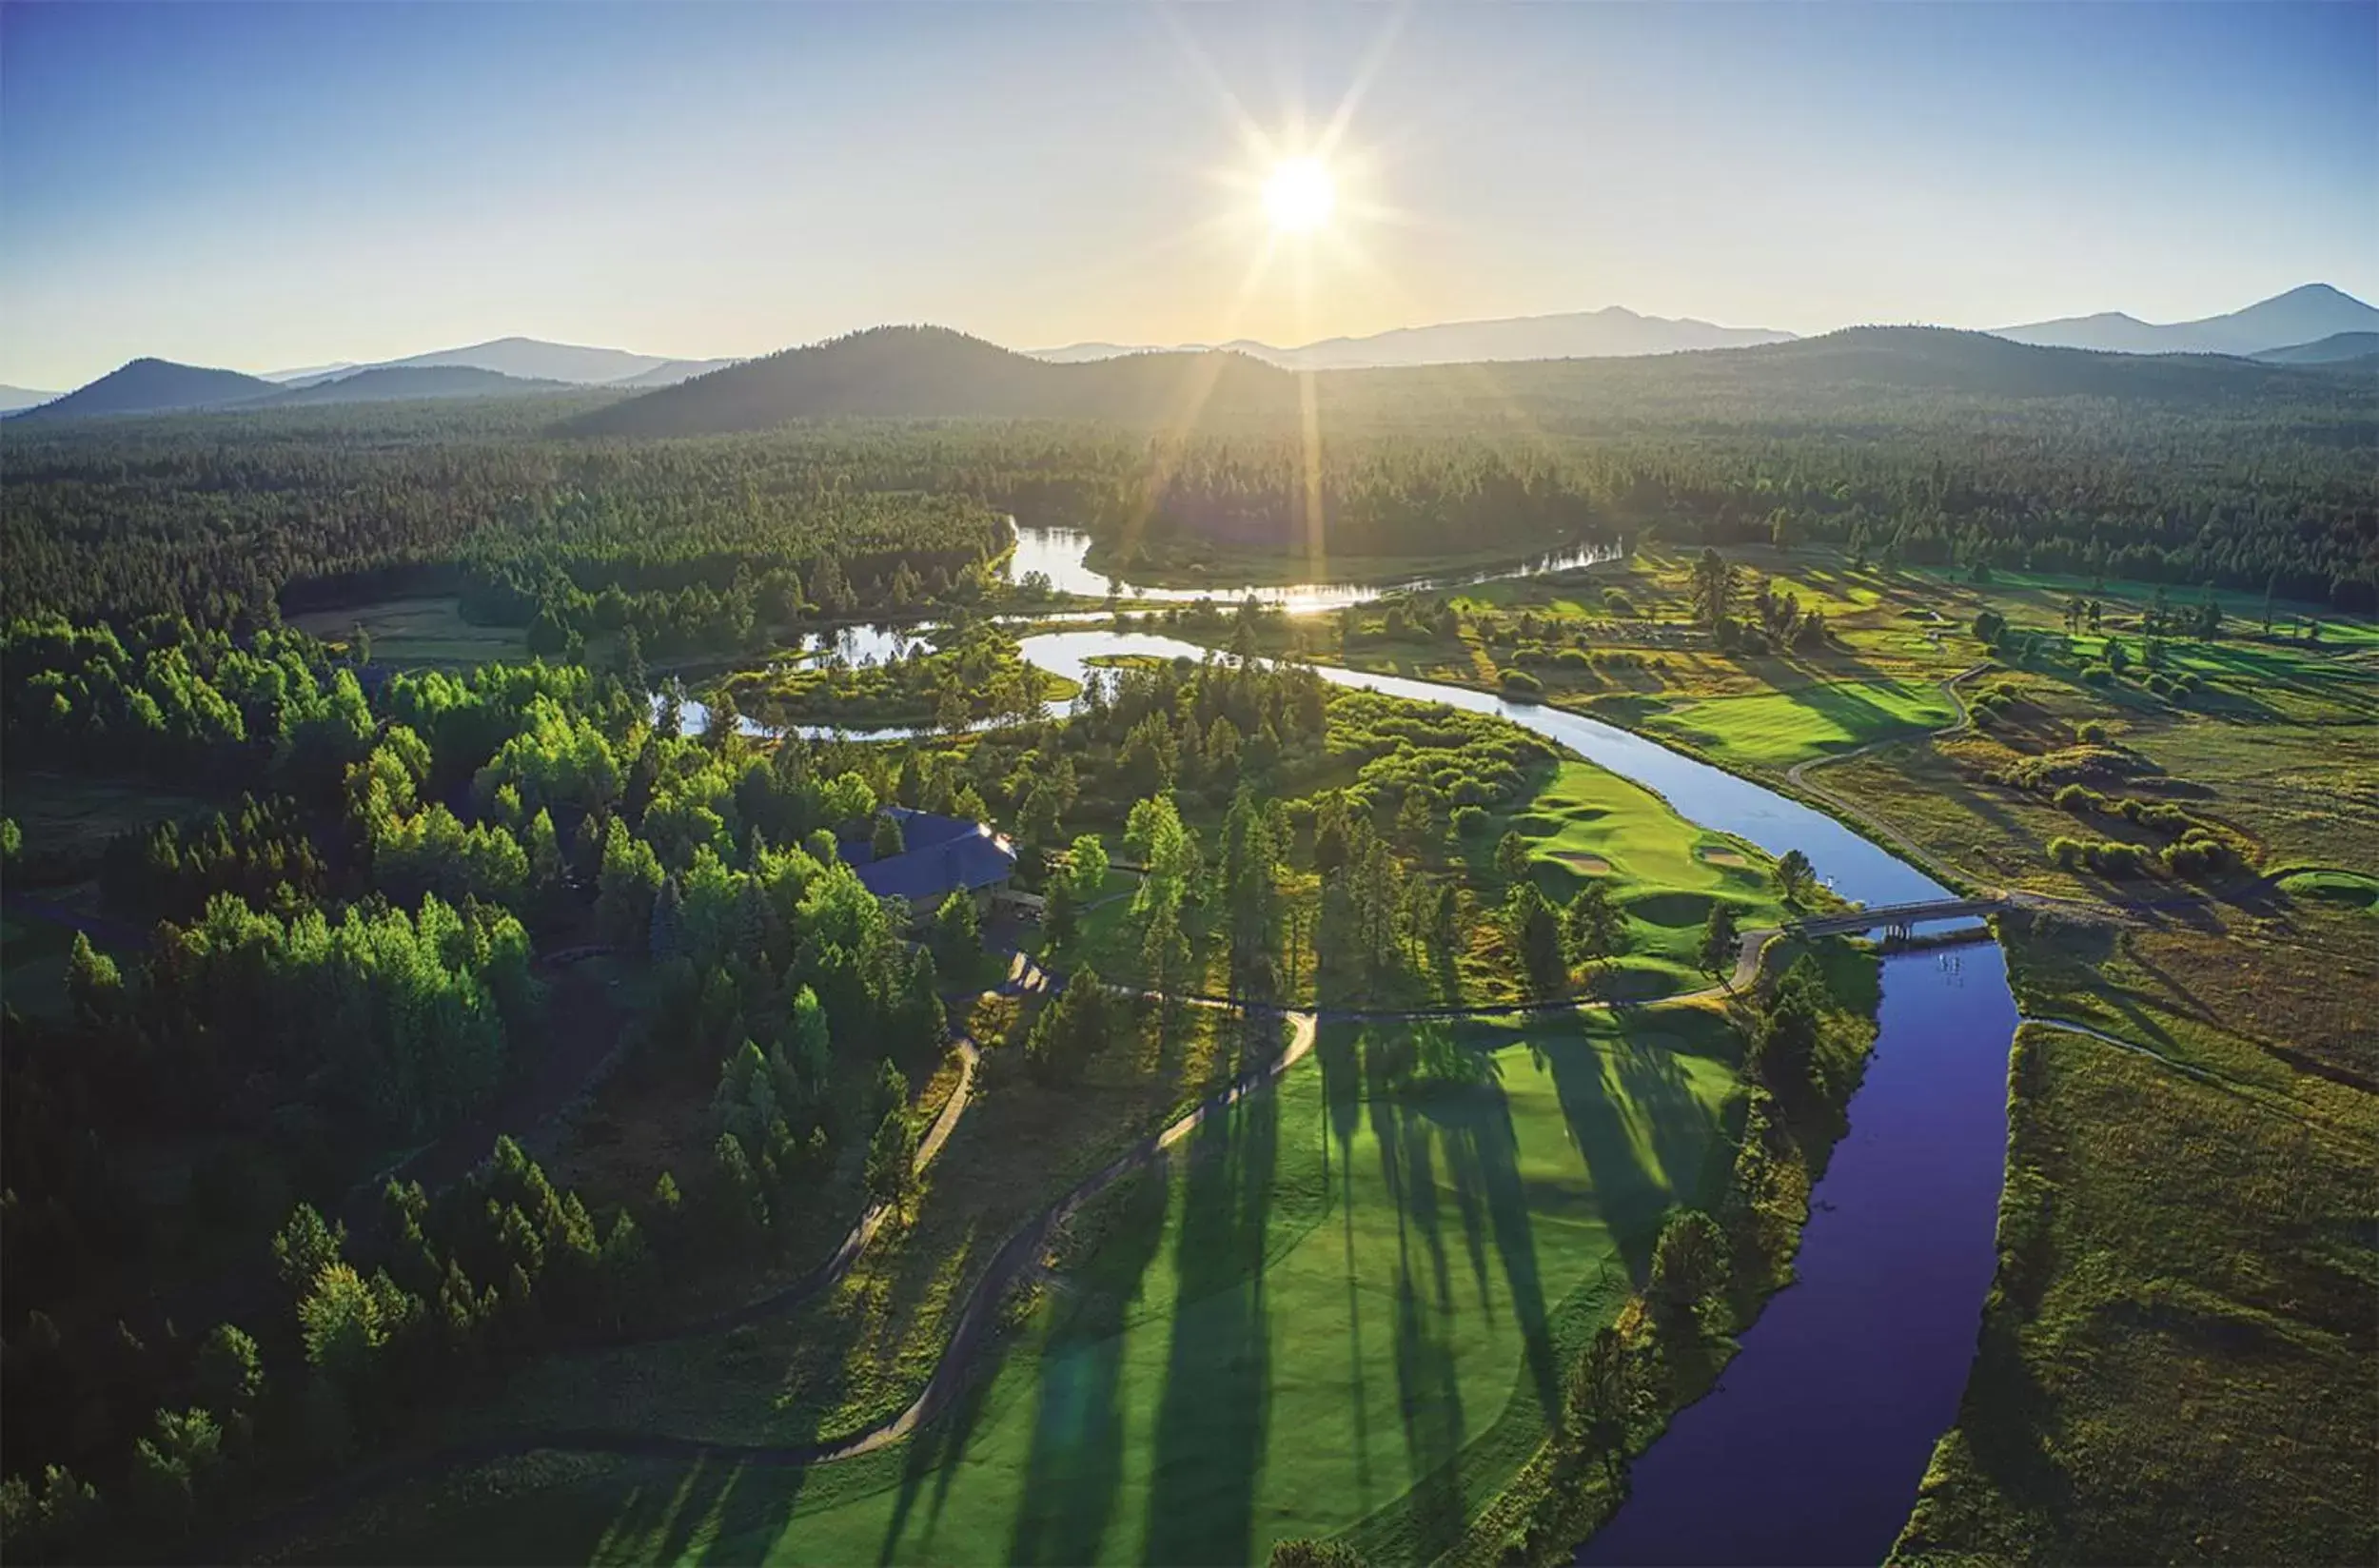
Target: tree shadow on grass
(1428, 1393)
(1621, 1130)
(934, 1451)
(1076, 1460)
(1212, 1416)
(1483, 1151)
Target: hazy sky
(269, 187)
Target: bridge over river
(1896, 920)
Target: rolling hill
(930, 372)
(14, 397)
(2337, 348)
(1611, 332)
(1875, 371)
(153, 386)
(2300, 315)
(395, 383)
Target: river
(1810, 1448)
(1058, 555)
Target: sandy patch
(1721, 857)
(1583, 863)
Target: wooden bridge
(1897, 921)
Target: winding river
(1811, 1447)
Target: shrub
(1469, 820)
(2078, 798)
(1572, 658)
(1617, 603)
(2092, 732)
(2111, 860)
(2098, 674)
(1521, 684)
(2066, 852)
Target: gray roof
(954, 856)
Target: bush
(2092, 732)
(1522, 685)
(2066, 852)
(1469, 821)
(1617, 602)
(2111, 860)
(1572, 658)
(2098, 674)
(2078, 798)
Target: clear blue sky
(269, 186)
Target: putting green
(1345, 1307)
(1661, 870)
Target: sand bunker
(1721, 857)
(1584, 864)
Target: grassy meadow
(409, 633)
(1341, 1307)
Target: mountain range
(2302, 315)
(533, 359)
(1611, 332)
(930, 372)
(161, 386)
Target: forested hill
(398, 382)
(1869, 375)
(1893, 373)
(153, 386)
(930, 372)
(2337, 348)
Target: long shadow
(1428, 1395)
(1406, 1156)
(1608, 1129)
(1211, 1419)
(1656, 1085)
(1077, 1460)
(1337, 1048)
(1484, 1153)
(934, 1451)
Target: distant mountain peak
(152, 385)
(2304, 314)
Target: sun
(1299, 195)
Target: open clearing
(418, 630)
(1342, 1307)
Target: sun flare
(1300, 195)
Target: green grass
(418, 632)
(2350, 890)
(1777, 729)
(1343, 1307)
(1663, 872)
(68, 819)
(2177, 1359)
